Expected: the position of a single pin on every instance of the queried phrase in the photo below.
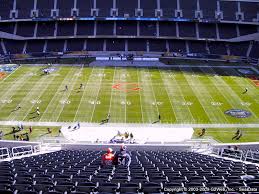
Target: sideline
(85, 124)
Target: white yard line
(251, 86)
(97, 95)
(84, 93)
(125, 96)
(34, 93)
(218, 88)
(198, 92)
(182, 111)
(61, 87)
(229, 100)
(164, 85)
(13, 89)
(86, 109)
(122, 96)
(40, 94)
(73, 82)
(112, 90)
(235, 98)
(151, 84)
(140, 99)
(119, 99)
(148, 98)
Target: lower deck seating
(218, 48)
(254, 51)
(35, 46)
(197, 47)
(131, 44)
(75, 171)
(239, 49)
(14, 47)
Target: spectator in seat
(122, 157)
(108, 157)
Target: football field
(181, 95)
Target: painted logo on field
(238, 113)
(8, 68)
(49, 69)
(2, 75)
(126, 87)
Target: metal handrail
(16, 152)
(4, 155)
(231, 154)
(252, 155)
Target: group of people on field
(238, 134)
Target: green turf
(190, 95)
(38, 132)
(224, 135)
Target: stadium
(129, 96)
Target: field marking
(82, 97)
(39, 96)
(73, 80)
(31, 94)
(150, 80)
(19, 67)
(213, 100)
(140, 99)
(8, 94)
(198, 86)
(117, 101)
(231, 92)
(149, 96)
(236, 96)
(112, 91)
(85, 109)
(16, 83)
(97, 95)
(169, 86)
(249, 85)
(93, 90)
(85, 124)
(216, 86)
(124, 94)
(55, 96)
(165, 88)
(197, 91)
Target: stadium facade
(199, 28)
(223, 30)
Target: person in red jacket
(108, 157)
